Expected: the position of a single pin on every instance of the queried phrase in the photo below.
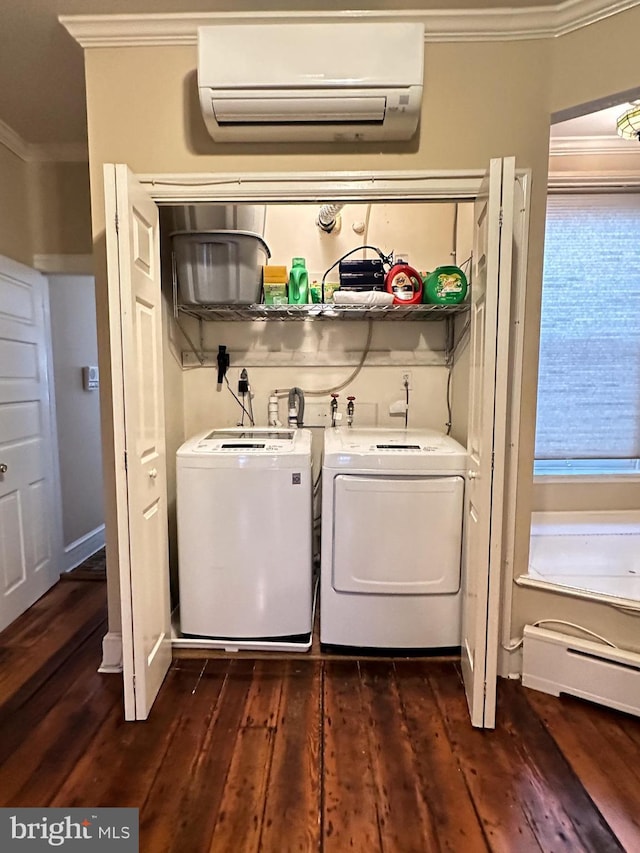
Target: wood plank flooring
(302, 754)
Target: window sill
(585, 479)
(626, 604)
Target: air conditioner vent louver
(298, 110)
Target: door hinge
(125, 461)
(117, 224)
(493, 459)
(500, 218)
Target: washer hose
(327, 216)
(296, 394)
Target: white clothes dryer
(392, 512)
(244, 506)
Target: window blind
(589, 371)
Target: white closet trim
(307, 186)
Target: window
(588, 419)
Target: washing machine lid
(383, 449)
(248, 442)
(262, 440)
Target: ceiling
(602, 123)
(42, 99)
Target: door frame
(357, 187)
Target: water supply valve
(334, 408)
(350, 410)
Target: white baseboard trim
(558, 663)
(111, 653)
(86, 546)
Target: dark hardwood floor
(306, 754)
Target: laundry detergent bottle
(298, 282)
(445, 286)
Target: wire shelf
(327, 311)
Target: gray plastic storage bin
(219, 267)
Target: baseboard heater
(558, 663)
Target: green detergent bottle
(445, 286)
(298, 282)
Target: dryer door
(397, 535)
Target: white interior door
(490, 302)
(133, 264)
(29, 523)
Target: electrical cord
(512, 647)
(386, 259)
(406, 404)
(449, 416)
(239, 401)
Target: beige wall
(15, 225)
(61, 213)
(480, 101)
(617, 494)
(596, 62)
(599, 164)
(143, 110)
(73, 334)
(45, 208)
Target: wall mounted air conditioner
(311, 82)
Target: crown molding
(68, 152)
(441, 25)
(575, 14)
(570, 146)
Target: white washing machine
(244, 501)
(392, 511)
